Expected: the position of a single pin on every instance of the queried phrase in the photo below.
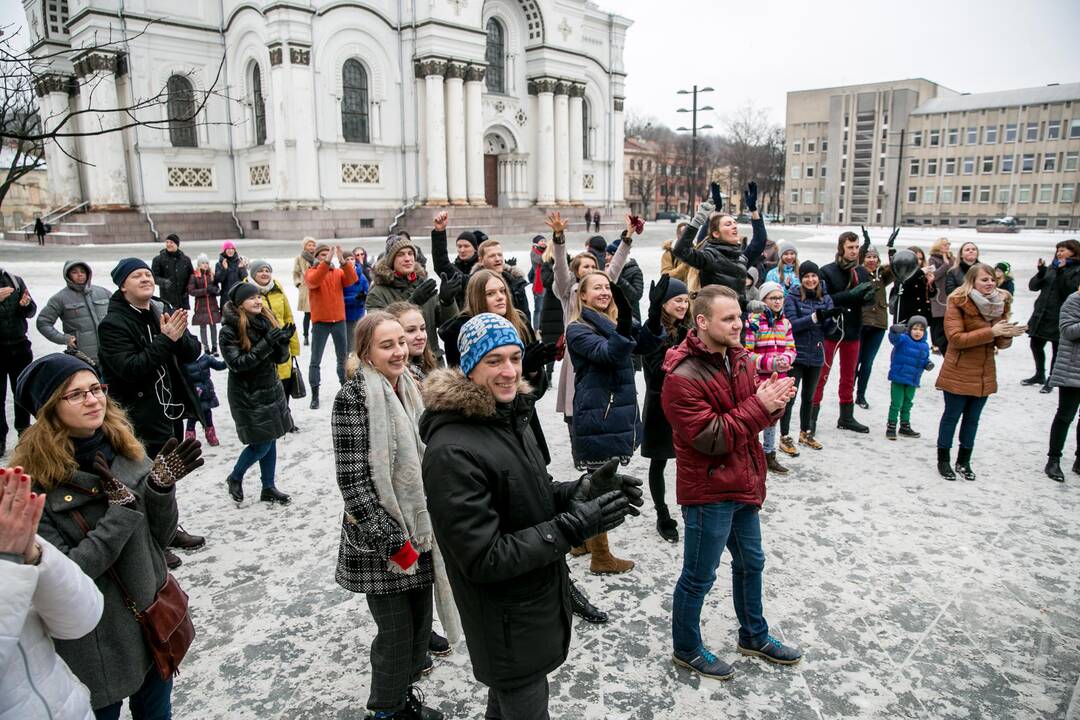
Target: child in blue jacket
(910, 357)
(198, 374)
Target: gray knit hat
(787, 246)
(256, 265)
(769, 287)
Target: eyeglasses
(78, 397)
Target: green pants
(902, 398)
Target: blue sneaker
(704, 663)
(774, 651)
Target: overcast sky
(759, 50)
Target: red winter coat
(716, 418)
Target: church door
(491, 180)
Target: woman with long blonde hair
(253, 344)
(112, 511)
(421, 359)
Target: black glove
(423, 292)
(751, 197)
(175, 461)
(450, 287)
(657, 291)
(625, 324)
(512, 262)
(287, 331)
(892, 237)
(865, 289)
(606, 479)
(865, 235)
(899, 328)
(273, 336)
(827, 313)
(536, 356)
(587, 519)
(717, 198)
(929, 365)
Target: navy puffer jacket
(809, 335)
(606, 420)
(909, 358)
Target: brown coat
(969, 367)
(675, 268)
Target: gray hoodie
(80, 309)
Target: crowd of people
(449, 507)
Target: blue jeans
(708, 528)
(538, 307)
(869, 344)
(152, 701)
(320, 331)
(956, 406)
(263, 453)
(768, 439)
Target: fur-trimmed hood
(448, 390)
(383, 274)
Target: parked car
(667, 215)
(1005, 224)
(742, 218)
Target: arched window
(585, 129)
(496, 56)
(258, 105)
(181, 109)
(354, 102)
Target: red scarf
(411, 277)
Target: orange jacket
(326, 290)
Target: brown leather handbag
(166, 624)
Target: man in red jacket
(717, 408)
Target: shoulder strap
(128, 601)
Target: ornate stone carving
(458, 4)
(475, 73)
(54, 82)
(456, 70)
(275, 55)
(299, 54)
(190, 178)
(521, 118)
(97, 62)
(562, 87)
(619, 104)
(565, 30)
(541, 85)
(430, 66)
(577, 90)
(499, 106)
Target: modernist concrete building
(918, 153)
(356, 107)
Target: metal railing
(401, 213)
(54, 215)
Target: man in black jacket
(16, 307)
(503, 526)
(142, 348)
(172, 269)
(848, 284)
(465, 259)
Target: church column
(474, 134)
(435, 133)
(104, 153)
(55, 93)
(562, 143)
(300, 106)
(455, 133)
(577, 142)
(617, 197)
(544, 89)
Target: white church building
(332, 115)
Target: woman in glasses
(112, 511)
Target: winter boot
(773, 465)
(890, 430)
(787, 445)
(171, 560)
(579, 550)
(189, 434)
(1076, 465)
(583, 608)
(438, 645)
(414, 709)
(603, 562)
(236, 489)
(806, 437)
(186, 541)
(1036, 379)
(861, 402)
(211, 437)
(847, 419)
(273, 495)
(963, 464)
(1045, 389)
(1053, 470)
(906, 431)
(314, 405)
(944, 468)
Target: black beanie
(41, 378)
(174, 237)
(597, 243)
(807, 267)
(468, 236)
(125, 267)
(241, 291)
(479, 236)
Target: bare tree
(749, 149)
(18, 124)
(646, 187)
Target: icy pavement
(911, 597)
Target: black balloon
(904, 264)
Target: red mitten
(406, 556)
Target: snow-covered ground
(911, 597)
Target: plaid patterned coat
(369, 536)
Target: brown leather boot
(579, 550)
(603, 562)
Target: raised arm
(438, 244)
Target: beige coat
(300, 266)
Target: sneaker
(211, 437)
(807, 438)
(273, 495)
(704, 663)
(438, 645)
(787, 445)
(774, 651)
(189, 434)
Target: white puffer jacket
(54, 599)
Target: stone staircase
(131, 226)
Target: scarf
(1068, 261)
(309, 258)
(87, 448)
(394, 454)
(991, 307)
(846, 264)
(264, 289)
(411, 277)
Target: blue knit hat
(480, 335)
(41, 378)
(125, 267)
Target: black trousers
(13, 359)
(1068, 404)
(400, 646)
(1038, 351)
(808, 377)
(658, 487)
(528, 702)
(937, 334)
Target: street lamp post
(693, 140)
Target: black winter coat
(198, 374)
(719, 263)
(915, 300)
(551, 311)
(492, 506)
(838, 285)
(1054, 285)
(133, 355)
(171, 273)
(227, 273)
(632, 282)
(955, 277)
(656, 430)
(443, 264)
(256, 398)
(13, 316)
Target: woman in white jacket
(43, 595)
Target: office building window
(928, 194)
(950, 166)
(1072, 160)
(796, 147)
(931, 166)
(965, 193)
(991, 135)
(913, 194)
(968, 166)
(914, 167)
(916, 138)
(808, 197)
(824, 145)
(1007, 163)
(796, 172)
(984, 194)
(947, 195)
(972, 136)
(954, 136)
(988, 165)
(1031, 132)
(1046, 193)
(1074, 128)
(1027, 163)
(794, 197)
(809, 170)
(935, 138)
(1004, 195)
(811, 146)
(1049, 162)
(821, 172)
(1053, 130)
(1023, 194)
(1067, 194)
(1010, 133)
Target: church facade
(334, 104)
